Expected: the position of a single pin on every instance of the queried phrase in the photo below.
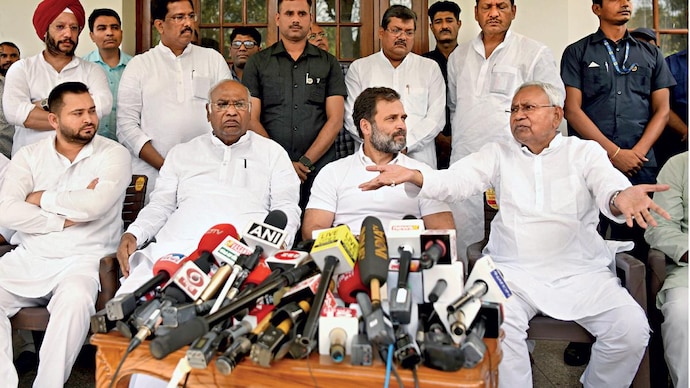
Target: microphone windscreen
(185, 334)
(215, 236)
(259, 274)
(350, 284)
(169, 263)
(373, 251)
(276, 218)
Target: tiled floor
(548, 370)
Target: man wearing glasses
(163, 91)
(418, 80)
(229, 176)
(550, 189)
(244, 42)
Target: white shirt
(422, 91)
(336, 190)
(544, 236)
(204, 182)
(31, 79)
(481, 89)
(47, 251)
(162, 99)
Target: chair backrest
(134, 199)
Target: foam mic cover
(373, 251)
(350, 284)
(215, 236)
(276, 218)
(259, 274)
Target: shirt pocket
(316, 90)
(595, 82)
(272, 91)
(503, 80)
(416, 101)
(201, 85)
(640, 81)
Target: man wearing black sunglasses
(244, 42)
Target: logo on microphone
(191, 280)
(266, 233)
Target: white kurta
(203, 183)
(336, 190)
(31, 79)
(4, 164)
(48, 252)
(162, 99)
(422, 91)
(480, 90)
(544, 237)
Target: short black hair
(249, 31)
(365, 104)
(159, 8)
(400, 12)
(598, 2)
(512, 2)
(11, 45)
(444, 6)
(56, 96)
(281, 2)
(102, 12)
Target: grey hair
(217, 84)
(553, 94)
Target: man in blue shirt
(106, 32)
(674, 139)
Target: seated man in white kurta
(63, 196)
(550, 190)
(229, 176)
(335, 198)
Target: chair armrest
(108, 273)
(634, 276)
(657, 261)
(6, 248)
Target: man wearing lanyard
(617, 95)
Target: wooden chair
(36, 318)
(630, 270)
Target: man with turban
(29, 81)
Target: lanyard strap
(623, 69)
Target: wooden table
(285, 373)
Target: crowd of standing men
(223, 143)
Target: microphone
(486, 283)
(400, 302)
(439, 247)
(241, 347)
(404, 232)
(334, 252)
(269, 235)
(464, 316)
(378, 330)
(161, 346)
(123, 305)
(350, 284)
(373, 253)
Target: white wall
(16, 25)
(556, 23)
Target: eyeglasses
(223, 106)
(180, 18)
(248, 44)
(62, 27)
(528, 108)
(320, 35)
(398, 32)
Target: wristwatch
(307, 162)
(44, 104)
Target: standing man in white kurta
(482, 77)
(163, 91)
(29, 81)
(418, 80)
(550, 190)
(63, 196)
(229, 176)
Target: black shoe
(25, 362)
(577, 353)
